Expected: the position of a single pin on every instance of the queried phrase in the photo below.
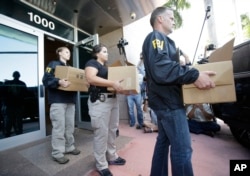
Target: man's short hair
(158, 11)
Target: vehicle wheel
(241, 135)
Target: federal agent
(62, 109)
(103, 111)
(164, 79)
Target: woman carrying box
(103, 111)
(62, 109)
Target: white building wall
(135, 34)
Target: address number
(41, 21)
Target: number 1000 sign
(41, 21)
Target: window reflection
(19, 109)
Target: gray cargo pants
(104, 121)
(62, 117)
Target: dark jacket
(51, 83)
(165, 75)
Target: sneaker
(62, 160)
(118, 161)
(105, 172)
(138, 127)
(74, 152)
(132, 125)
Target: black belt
(103, 96)
(111, 95)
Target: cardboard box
(220, 61)
(119, 63)
(74, 75)
(224, 90)
(129, 74)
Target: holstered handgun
(94, 93)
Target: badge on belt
(102, 97)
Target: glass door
(21, 96)
(82, 53)
(81, 56)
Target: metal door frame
(86, 43)
(39, 134)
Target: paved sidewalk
(210, 157)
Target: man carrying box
(164, 79)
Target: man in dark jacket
(165, 76)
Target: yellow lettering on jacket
(157, 44)
(48, 69)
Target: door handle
(41, 91)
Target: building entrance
(25, 51)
